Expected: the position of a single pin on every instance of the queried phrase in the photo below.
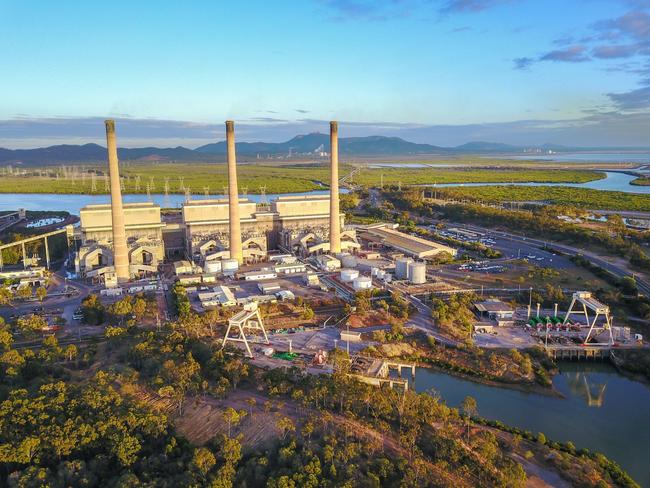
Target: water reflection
(599, 409)
(592, 392)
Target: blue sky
(437, 71)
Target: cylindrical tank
(380, 274)
(374, 271)
(213, 266)
(348, 261)
(362, 283)
(348, 275)
(417, 273)
(402, 268)
(229, 266)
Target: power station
(118, 242)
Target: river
(602, 410)
(586, 157)
(613, 182)
(72, 203)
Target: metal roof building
(414, 246)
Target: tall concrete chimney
(233, 195)
(120, 251)
(335, 219)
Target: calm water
(602, 410)
(640, 157)
(413, 165)
(614, 182)
(72, 203)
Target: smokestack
(335, 219)
(233, 195)
(120, 252)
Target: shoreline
(534, 388)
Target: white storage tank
(212, 266)
(402, 268)
(229, 266)
(362, 283)
(374, 271)
(417, 273)
(380, 274)
(347, 275)
(349, 261)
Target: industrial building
(219, 296)
(496, 310)
(122, 241)
(387, 235)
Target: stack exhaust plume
(120, 251)
(335, 218)
(233, 196)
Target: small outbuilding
(496, 310)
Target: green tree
(31, 324)
(121, 309)
(70, 352)
(469, 408)
(41, 293)
(183, 377)
(92, 310)
(139, 308)
(5, 296)
(232, 417)
(6, 339)
(285, 425)
(24, 292)
(307, 313)
(203, 461)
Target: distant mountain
(90, 153)
(305, 145)
(483, 147)
(316, 142)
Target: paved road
(68, 303)
(616, 270)
(421, 319)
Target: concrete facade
(142, 233)
(335, 224)
(233, 196)
(131, 240)
(120, 254)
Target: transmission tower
(206, 191)
(137, 183)
(93, 183)
(263, 195)
(181, 183)
(188, 194)
(152, 187)
(106, 185)
(166, 186)
(122, 183)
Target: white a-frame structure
(248, 321)
(585, 299)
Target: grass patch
(557, 195)
(276, 178)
